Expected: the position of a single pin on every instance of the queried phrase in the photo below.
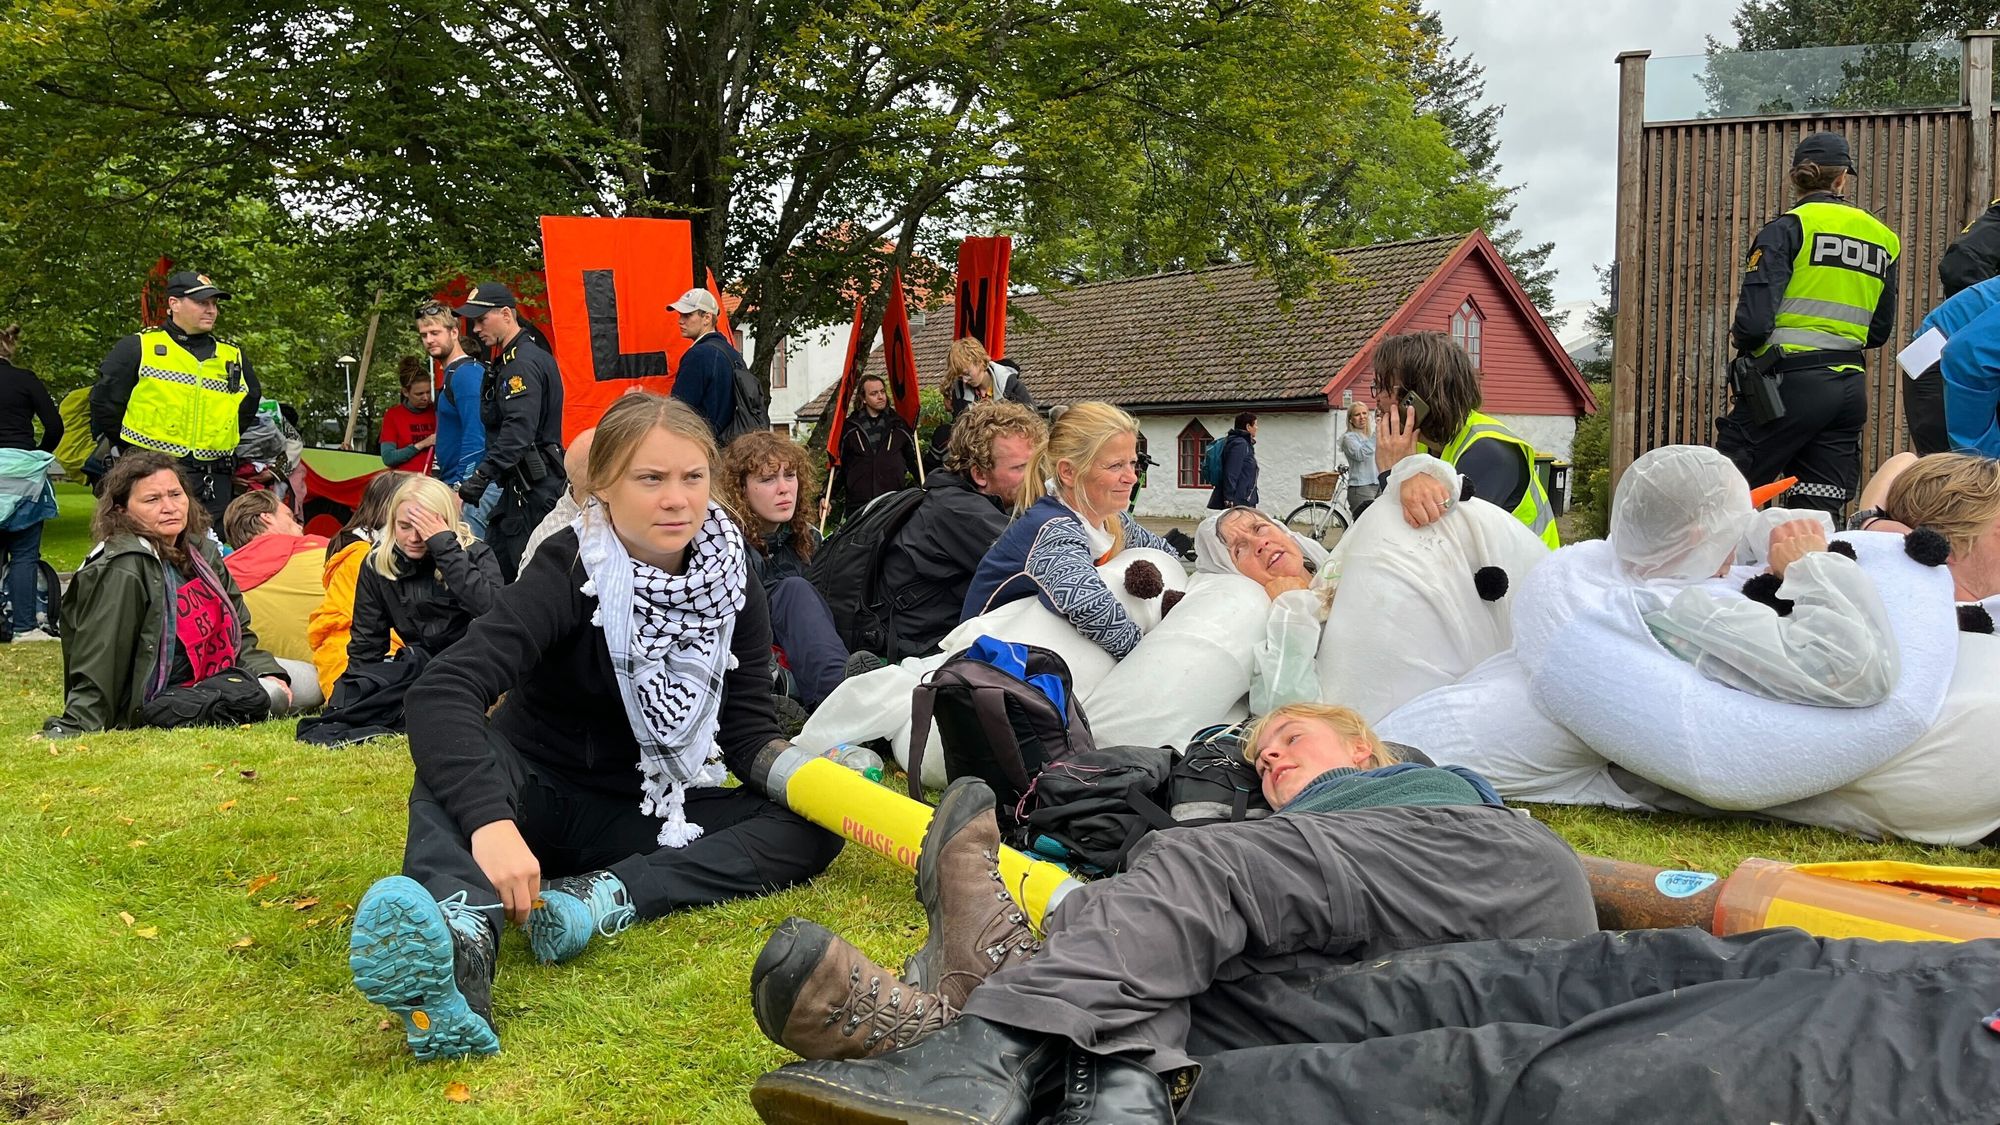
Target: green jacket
(115, 616)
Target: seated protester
(972, 376)
(570, 505)
(135, 656)
(277, 566)
(328, 629)
(1364, 857)
(1728, 701)
(409, 428)
(426, 578)
(1052, 552)
(634, 655)
(1425, 373)
(878, 450)
(928, 564)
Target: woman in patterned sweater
(1053, 551)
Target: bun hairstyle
(1808, 177)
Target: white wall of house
(1288, 446)
(1550, 434)
(813, 361)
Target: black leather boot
(970, 1073)
(1105, 1090)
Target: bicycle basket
(1318, 486)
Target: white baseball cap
(696, 300)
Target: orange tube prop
(890, 824)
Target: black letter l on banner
(600, 299)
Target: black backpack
(847, 571)
(751, 411)
(1089, 809)
(1213, 783)
(994, 724)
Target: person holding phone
(1428, 394)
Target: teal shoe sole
(559, 927)
(401, 956)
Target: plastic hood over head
(1211, 555)
(1678, 515)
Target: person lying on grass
(152, 613)
(1365, 856)
(634, 655)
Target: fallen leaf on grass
(65, 831)
(126, 918)
(244, 942)
(457, 1092)
(126, 820)
(291, 798)
(260, 882)
(247, 775)
(147, 932)
(136, 844)
(305, 904)
(347, 810)
(226, 805)
(385, 1025)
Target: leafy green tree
(1902, 55)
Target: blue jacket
(707, 380)
(1239, 472)
(461, 434)
(1046, 554)
(1971, 369)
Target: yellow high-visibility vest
(182, 405)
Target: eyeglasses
(433, 309)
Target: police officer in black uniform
(521, 403)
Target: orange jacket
(330, 624)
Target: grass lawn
(66, 538)
(174, 915)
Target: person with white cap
(182, 390)
(521, 404)
(706, 378)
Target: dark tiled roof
(1214, 335)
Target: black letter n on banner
(600, 300)
(972, 313)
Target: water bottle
(860, 759)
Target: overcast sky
(1550, 62)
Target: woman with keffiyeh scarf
(634, 657)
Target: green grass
(220, 1002)
(66, 538)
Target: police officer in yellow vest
(182, 390)
(1819, 286)
(1427, 388)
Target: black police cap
(484, 299)
(187, 283)
(1828, 150)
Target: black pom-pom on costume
(1143, 581)
(1974, 619)
(1466, 492)
(1171, 599)
(1491, 582)
(1927, 547)
(1842, 547)
(1764, 588)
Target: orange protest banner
(981, 307)
(610, 282)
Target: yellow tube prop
(890, 824)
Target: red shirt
(402, 426)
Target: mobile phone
(1413, 400)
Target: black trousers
(1630, 1027)
(1923, 412)
(1203, 908)
(750, 845)
(1818, 440)
(516, 516)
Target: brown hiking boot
(976, 927)
(821, 998)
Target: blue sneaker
(429, 962)
(571, 911)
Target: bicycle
(1324, 516)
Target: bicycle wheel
(1318, 521)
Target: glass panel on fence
(1808, 80)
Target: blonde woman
(1358, 445)
(426, 578)
(1053, 551)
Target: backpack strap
(923, 703)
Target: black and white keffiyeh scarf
(668, 635)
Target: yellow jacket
(330, 624)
